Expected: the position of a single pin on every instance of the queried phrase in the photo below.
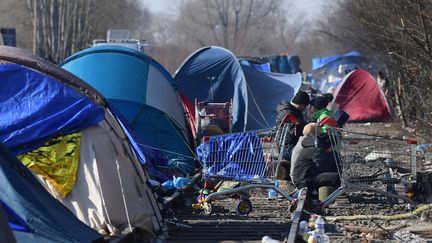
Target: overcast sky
(311, 8)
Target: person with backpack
(296, 107)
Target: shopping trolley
(373, 163)
(212, 118)
(247, 157)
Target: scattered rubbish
(321, 236)
(313, 238)
(168, 185)
(272, 194)
(177, 182)
(181, 182)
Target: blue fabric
(15, 221)
(36, 216)
(215, 75)
(265, 67)
(237, 157)
(322, 74)
(321, 61)
(286, 64)
(160, 140)
(279, 64)
(122, 75)
(120, 64)
(152, 159)
(266, 90)
(156, 130)
(34, 108)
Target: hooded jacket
(310, 162)
(284, 108)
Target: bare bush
(398, 32)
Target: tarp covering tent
(327, 77)
(286, 64)
(319, 62)
(361, 97)
(33, 214)
(144, 93)
(214, 74)
(277, 64)
(40, 102)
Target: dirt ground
(417, 228)
(273, 218)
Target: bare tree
(399, 33)
(58, 28)
(242, 26)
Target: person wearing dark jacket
(298, 104)
(315, 165)
(296, 107)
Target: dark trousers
(323, 179)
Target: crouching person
(313, 163)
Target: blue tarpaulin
(214, 74)
(321, 61)
(286, 64)
(265, 67)
(237, 156)
(34, 108)
(33, 214)
(278, 64)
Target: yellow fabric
(56, 161)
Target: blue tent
(332, 69)
(34, 215)
(214, 74)
(6, 234)
(265, 91)
(319, 62)
(35, 107)
(140, 89)
(40, 102)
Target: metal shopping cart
(373, 163)
(248, 157)
(212, 118)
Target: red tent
(189, 111)
(360, 96)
